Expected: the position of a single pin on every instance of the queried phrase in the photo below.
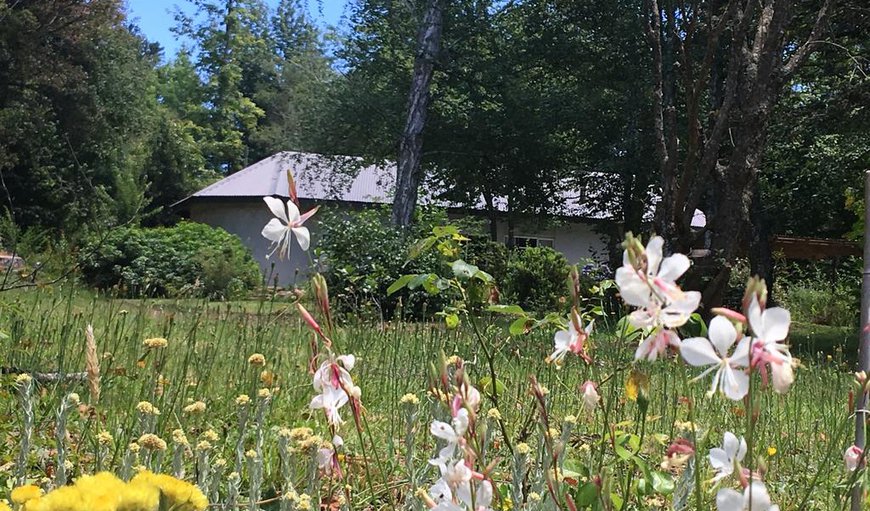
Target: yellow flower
(4, 506)
(203, 445)
(410, 399)
(493, 414)
(243, 400)
(155, 343)
(179, 437)
(771, 451)
(181, 495)
(196, 407)
(264, 393)
(139, 496)
(152, 442)
(22, 494)
(23, 378)
(104, 438)
(523, 448)
(210, 435)
(257, 360)
(146, 408)
(300, 434)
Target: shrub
(535, 279)
(189, 258)
(490, 256)
(364, 255)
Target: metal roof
(349, 179)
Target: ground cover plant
(281, 404)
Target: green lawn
(800, 437)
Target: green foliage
(535, 279)
(821, 292)
(365, 255)
(189, 258)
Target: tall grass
(801, 434)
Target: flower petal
(274, 231)
(735, 384)
(634, 290)
(277, 208)
(722, 334)
(302, 236)
(673, 267)
(698, 351)
(292, 212)
(654, 254)
(775, 323)
(728, 500)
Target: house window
(529, 241)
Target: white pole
(863, 341)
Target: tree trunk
(760, 254)
(409, 170)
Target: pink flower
(590, 396)
(571, 340)
(852, 457)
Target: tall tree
(718, 69)
(409, 163)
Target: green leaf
(452, 320)
(663, 483)
(463, 270)
(421, 246)
(418, 280)
(586, 495)
(519, 327)
(485, 384)
(399, 284)
(483, 276)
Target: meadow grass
(799, 436)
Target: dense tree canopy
(531, 101)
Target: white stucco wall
(575, 240)
(246, 219)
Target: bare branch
(803, 51)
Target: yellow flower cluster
(155, 343)
(257, 359)
(195, 407)
(105, 492)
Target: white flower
(573, 340)
(590, 396)
(729, 377)
(723, 459)
(331, 400)
(769, 327)
(656, 345)
(288, 221)
(852, 457)
(755, 497)
(452, 433)
(654, 290)
(335, 373)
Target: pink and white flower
(571, 340)
(287, 223)
(330, 400)
(769, 328)
(590, 397)
(852, 457)
(730, 376)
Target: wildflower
(288, 222)
(146, 408)
(754, 497)
(210, 435)
(152, 442)
(312, 442)
(257, 360)
(452, 433)
(155, 343)
(251, 453)
(22, 494)
(4, 505)
(649, 282)
(180, 495)
(523, 448)
(852, 457)
(330, 400)
(104, 438)
(573, 339)
(590, 396)
(771, 451)
(493, 414)
(656, 345)
(179, 437)
(203, 445)
(133, 447)
(138, 496)
(723, 459)
(264, 394)
(410, 399)
(197, 407)
(678, 454)
(769, 327)
(535, 497)
(23, 378)
(243, 400)
(300, 434)
(729, 377)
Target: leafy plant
(535, 279)
(189, 258)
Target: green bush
(363, 255)
(535, 279)
(821, 305)
(190, 259)
(490, 256)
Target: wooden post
(863, 342)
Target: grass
(799, 436)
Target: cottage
(235, 203)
